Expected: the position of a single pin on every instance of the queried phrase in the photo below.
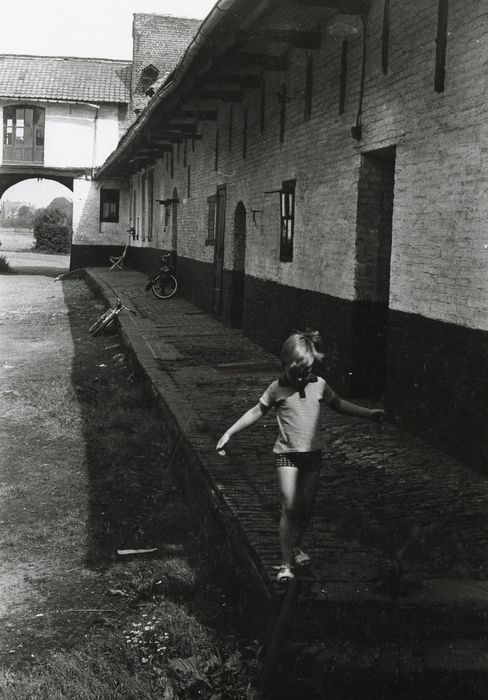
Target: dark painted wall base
(93, 255)
(438, 384)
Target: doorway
(219, 250)
(372, 270)
(238, 274)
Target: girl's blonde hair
(301, 349)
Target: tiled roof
(65, 78)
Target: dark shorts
(304, 461)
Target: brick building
(321, 164)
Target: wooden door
(219, 250)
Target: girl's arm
(348, 408)
(248, 418)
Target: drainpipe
(95, 122)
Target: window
(212, 205)
(23, 134)
(109, 205)
(188, 182)
(308, 87)
(149, 75)
(287, 214)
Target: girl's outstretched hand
(377, 414)
(221, 444)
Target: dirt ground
(43, 483)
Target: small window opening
(287, 215)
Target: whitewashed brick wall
(439, 240)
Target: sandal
(284, 574)
(301, 558)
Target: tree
(25, 217)
(51, 232)
(64, 205)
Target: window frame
(18, 128)
(287, 220)
(112, 200)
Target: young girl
(297, 395)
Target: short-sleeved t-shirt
(298, 418)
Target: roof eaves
(208, 26)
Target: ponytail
(302, 348)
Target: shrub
(52, 232)
(5, 268)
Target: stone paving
(397, 522)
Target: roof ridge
(157, 14)
(64, 58)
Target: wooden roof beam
(223, 95)
(299, 39)
(267, 61)
(189, 127)
(200, 115)
(178, 136)
(345, 7)
(241, 79)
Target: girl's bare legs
(288, 477)
(306, 491)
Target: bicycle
(106, 319)
(163, 284)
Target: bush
(52, 232)
(5, 268)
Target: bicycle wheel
(99, 321)
(164, 286)
(103, 322)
